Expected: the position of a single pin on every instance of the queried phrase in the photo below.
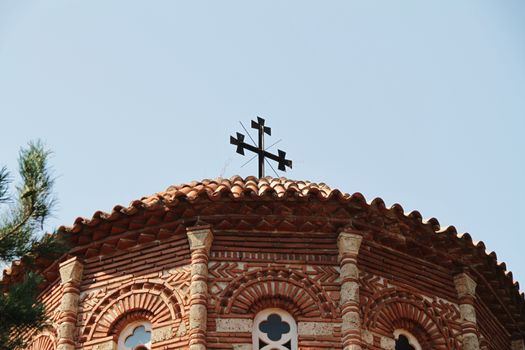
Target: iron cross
(280, 158)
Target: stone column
(518, 344)
(200, 238)
(348, 244)
(466, 288)
(70, 276)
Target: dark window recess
(288, 344)
(403, 344)
(274, 327)
(262, 344)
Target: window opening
(403, 344)
(136, 336)
(405, 340)
(274, 329)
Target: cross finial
(259, 150)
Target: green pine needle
(21, 224)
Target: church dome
(414, 276)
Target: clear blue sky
(417, 102)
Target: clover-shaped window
(405, 340)
(136, 336)
(274, 329)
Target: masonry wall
(256, 270)
(249, 271)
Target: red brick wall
(249, 271)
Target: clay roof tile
(237, 188)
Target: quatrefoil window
(136, 336)
(274, 329)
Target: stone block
(198, 316)
(108, 345)
(199, 269)
(200, 238)
(470, 342)
(315, 328)
(349, 293)
(161, 334)
(351, 321)
(349, 243)
(468, 312)
(71, 271)
(387, 343)
(242, 346)
(367, 337)
(182, 330)
(69, 302)
(465, 285)
(349, 271)
(232, 325)
(518, 345)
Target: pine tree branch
(35, 201)
(18, 226)
(19, 308)
(4, 185)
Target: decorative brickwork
(351, 274)
(281, 287)
(394, 309)
(43, 342)
(149, 299)
(386, 307)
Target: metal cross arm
(259, 150)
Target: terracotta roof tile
(237, 188)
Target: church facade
(269, 264)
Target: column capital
(200, 237)
(465, 285)
(349, 242)
(71, 271)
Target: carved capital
(348, 243)
(465, 285)
(200, 237)
(71, 271)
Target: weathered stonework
(387, 343)
(200, 239)
(70, 275)
(518, 345)
(161, 334)
(233, 325)
(315, 328)
(348, 244)
(108, 345)
(466, 288)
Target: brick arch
(394, 309)
(289, 289)
(129, 317)
(43, 342)
(159, 303)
